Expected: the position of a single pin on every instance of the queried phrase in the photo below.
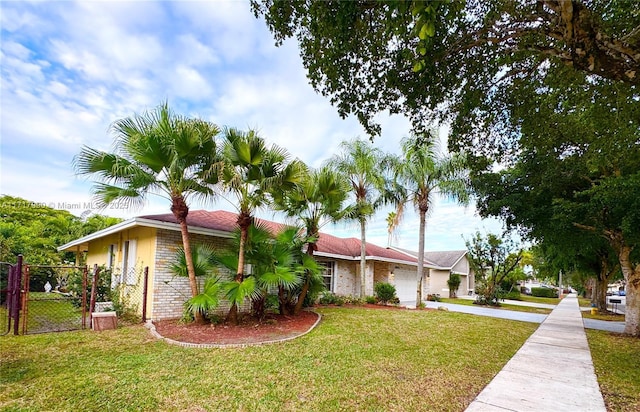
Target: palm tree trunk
(244, 221)
(420, 270)
(180, 211)
(305, 288)
(363, 259)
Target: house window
(327, 274)
(129, 262)
(111, 255)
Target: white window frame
(328, 267)
(111, 255)
(129, 249)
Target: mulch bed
(250, 330)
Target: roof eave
(134, 222)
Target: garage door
(405, 281)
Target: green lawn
(505, 306)
(356, 359)
(536, 299)
(617, 362)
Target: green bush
(330, 298)
(544, 292)
(371, 300)
(353, 300)
(513, 295)
(385, 292)
(433, 298)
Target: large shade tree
(158, 152)
(318, 199)
(365, 167)
(572, 164)
(410, 56)
(252, 171)
(423, 173)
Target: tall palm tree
(363, 165)
(158, 152)
(423, 172)
(251, 172)
(317, 200)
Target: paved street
(516, 315)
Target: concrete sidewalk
(552, 371)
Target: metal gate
(55, 298)
(10, 296)
(39, 299)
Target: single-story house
(151, 241)
(441, 265)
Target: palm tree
(251, 172)
(363, 165)
(160, 153)
(422, 173)
(317, 200)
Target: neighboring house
(441, 265)
(152, 241)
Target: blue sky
(69, 69)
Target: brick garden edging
(152, 328)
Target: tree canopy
(450, 57)
(36, 230)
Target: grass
(616, 359)
(49, 312)
(356, 359)
(610, 317)
(536, 299)
(584, 302)
(506, 306)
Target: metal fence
(39, 299)
(55, 299)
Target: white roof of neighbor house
(443, 260)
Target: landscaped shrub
(371, 300)
(544, 292)
(385, 292)
(513, 295)
(330, 298)
(353, 300)
(454, 283)
(433, 298)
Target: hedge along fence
(544, 292)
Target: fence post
(84, 297)
(144, 294)
(94, 287)
(11, 295)
(15, 301)
(25, 299)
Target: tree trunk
(180, 210)
(244, 221)
(599, 296)
(632, 277)
(363, 259)
(305, 288)
(232, 316)
(420, 270)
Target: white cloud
(69, 69)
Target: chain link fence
(62, 298)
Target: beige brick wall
(170, 292)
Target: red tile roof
(333, 245)
(220, 220)
(224, 221)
